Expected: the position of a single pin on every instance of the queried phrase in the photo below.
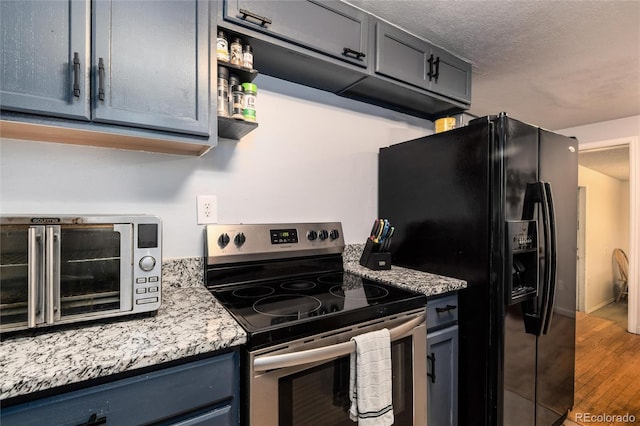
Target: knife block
(372, 258)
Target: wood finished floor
(607, 370)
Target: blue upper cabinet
(451, 76)
(412, 60)
(150, 64)
(45, 57)
(332, 28)
(124, 74)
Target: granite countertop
(422, 282)
(189, 322)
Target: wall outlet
(207, 209)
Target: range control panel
(249, 242)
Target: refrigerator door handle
(553, 261)
(534, 316)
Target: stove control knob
(239, 239)
(323, 234)
(334, 234)
(223, 240)
(312, 235)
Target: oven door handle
(271, 362)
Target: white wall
(605, 213)
(312, 158)
(606, 130)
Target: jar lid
(237, 40)
(221, 34)
(237, 88)
(250, 87)
(247, 48)
(223, 72)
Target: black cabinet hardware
(430, 73)
(101, 79)
(436, 74)
(76, 75)
(94, 420)
(432, 360)
(358, 55)
(446, 308)
(264, 21)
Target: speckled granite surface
(189, 322)
(423, 282)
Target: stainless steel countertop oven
(60, 269)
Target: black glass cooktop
(275, 311)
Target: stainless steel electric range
(285, 285)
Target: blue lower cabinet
(203, 392)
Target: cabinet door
(453, 76)
(401, 56)
(200, 392)
(330, 27)
(150, 64)
(40, 40)
(442, 389)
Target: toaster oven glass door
(14, 273)
(94, 269)
(62, 273)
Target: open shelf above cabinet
(231, 128)
(246, 75)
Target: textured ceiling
(557, 64)
(613, 162)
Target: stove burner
(334, 278)
(297, 285)
(366, 292)
(253, 292)
(287, 305)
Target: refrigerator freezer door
(556, 348)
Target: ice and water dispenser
(522, 261)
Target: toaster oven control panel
(147, 267)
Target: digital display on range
(284, 236)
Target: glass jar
(223, 92)
(235, 52)
(250, 95)
(222, 47)
(247, 57)
(237, 96)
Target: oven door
(306, 382)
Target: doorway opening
(607, 199)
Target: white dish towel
(370, 380)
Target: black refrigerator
(495, 203)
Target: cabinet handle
(100, 79)
(432, 359)
(446, 308)
(437, 65)
(358, 55)
(430, 73)
(76, 74)
(94, 420)
(263, 19)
